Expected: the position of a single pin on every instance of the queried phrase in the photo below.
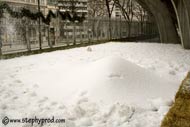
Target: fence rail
(18, 35)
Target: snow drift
(113, 79)
(107, 80)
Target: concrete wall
(167, 29)
(183, 15)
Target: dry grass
(179, 114)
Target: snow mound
(108, 80)
(113, 79)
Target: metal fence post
(110, 30)
(39, 25)
(120, 23)
(27, 38)
(67, 34)
(81, 30)
(96, 30)
(88, 30)
(49, 42)
(0, 52)
(74, 34)
(1, 45)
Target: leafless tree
(100, 8)
(96, 8)
(131, 11)
(127, 10)
(110, 4)
(141, 15)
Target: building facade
(78, 6)
(68, 29)
(29, 4)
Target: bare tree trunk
(109, 16)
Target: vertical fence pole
(120, 23)
(97, 29)
(85, 32)
(118, 27)
(109, 28)
(138, 29)
(88, 34)
(1, 40)
(27, 39)
(92, 31)
(1, 45)
(88, 30)
(49, 42)
(39, 25)
(74, 34)
(0, 52)
(81, 30)
(67, 34)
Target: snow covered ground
(108, 85)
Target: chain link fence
(17, 35)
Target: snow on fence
(18, 35)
